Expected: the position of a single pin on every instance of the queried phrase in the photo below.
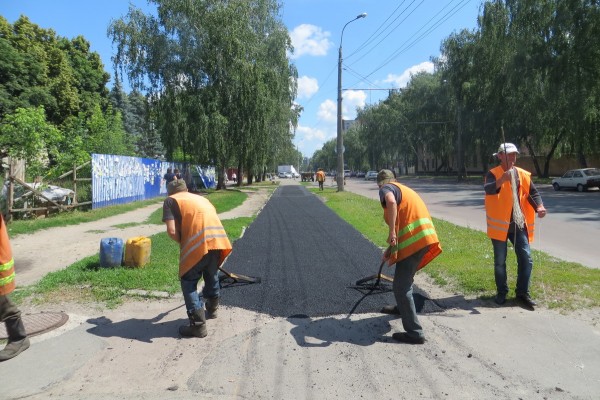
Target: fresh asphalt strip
(308, 260)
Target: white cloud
(307, 87)
(311, 139)
(352, 99)
(402, 80)
(310, 134)
(310, 40)
(328, 111)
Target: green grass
(465, 266)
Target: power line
(405, 47)
(396, 27)
(368, 40)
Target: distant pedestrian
(413, 243)
(10, 315)
(234, 177)
(168, 177)
(177, 173)
(511, 202)
(192, 221)
(320, 178)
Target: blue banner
(123, 179)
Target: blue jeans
(206, 268)
(403, 292)
(520, 241)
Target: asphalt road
(308, 260)
(570, 231)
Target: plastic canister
(137, 251)
(111, 252)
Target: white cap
(507, 148)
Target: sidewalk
(303, 334)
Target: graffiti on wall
(123, 179)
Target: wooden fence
(31, 199)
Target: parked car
(360, 174)
(346, 173)
(284, 175)
(371, 176)
(580, 179)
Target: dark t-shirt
(387, 188)
(169, 177)
(171, 211)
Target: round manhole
(36, 324)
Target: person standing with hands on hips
(511, 202)
(413, 243)
(9, 313)
(192, 221)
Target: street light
(340, 139)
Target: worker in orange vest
(9, 313)
(413, 243)
(192, 221)
(511, 202)
(320, 178)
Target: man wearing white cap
(511, 202)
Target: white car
(580, 179)
(371, 176)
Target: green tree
(217, 72)
(27, 135)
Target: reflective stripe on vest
(193, 243)
(414, 228)
(7, 274)
(7, 264)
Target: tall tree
(218, 73)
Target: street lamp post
(340, 139)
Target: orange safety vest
(414, 229)
(201, 231)
(498, 207)
(320, 176)
(7, 264)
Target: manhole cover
(36, 324)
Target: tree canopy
(218, 75)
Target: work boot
(404, 337)
(197, 327)
(17, 339)
(212, 304)
(390, 309)
(526, 300)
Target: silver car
(580, 179)
(371, 176)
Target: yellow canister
(137, 251)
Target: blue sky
(396, 38)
